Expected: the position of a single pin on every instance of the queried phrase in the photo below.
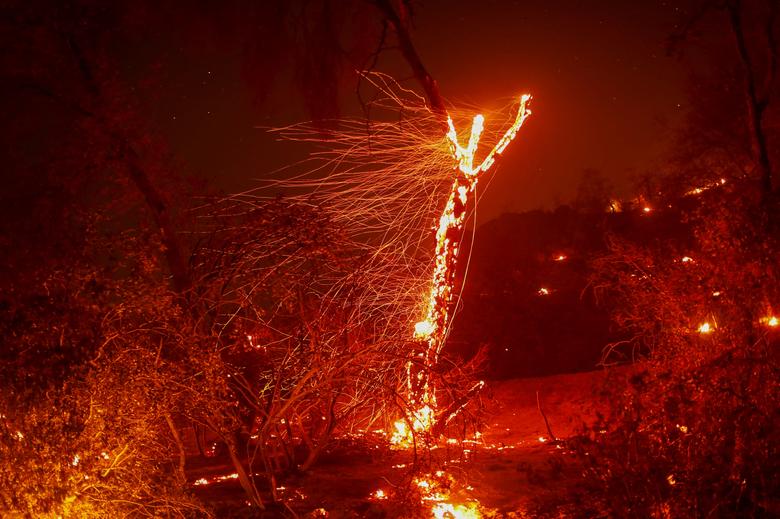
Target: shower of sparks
(380, 184)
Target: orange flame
(422, 420)
(431, 331)
(770, 321)
(436, 490)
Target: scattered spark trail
(397, 190)
(380, 183)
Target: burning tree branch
(430, 333)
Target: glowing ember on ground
(686, 259)
(422, 420)
(543, 291)
(436, 490)
(560, 257)
(647, 209)
(705, 328)
(215, 479)
(449, 511)
(700, 190)
(770, 320)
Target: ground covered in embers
(512, 467)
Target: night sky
(606, 94)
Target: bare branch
(409, 52)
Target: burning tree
(354, 187)
(381, 182)
(271, 324)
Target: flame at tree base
(421, 420)
(430, 333)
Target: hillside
(527, 298)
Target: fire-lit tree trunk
(232, 442)
(430, 333)
(179, 445)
